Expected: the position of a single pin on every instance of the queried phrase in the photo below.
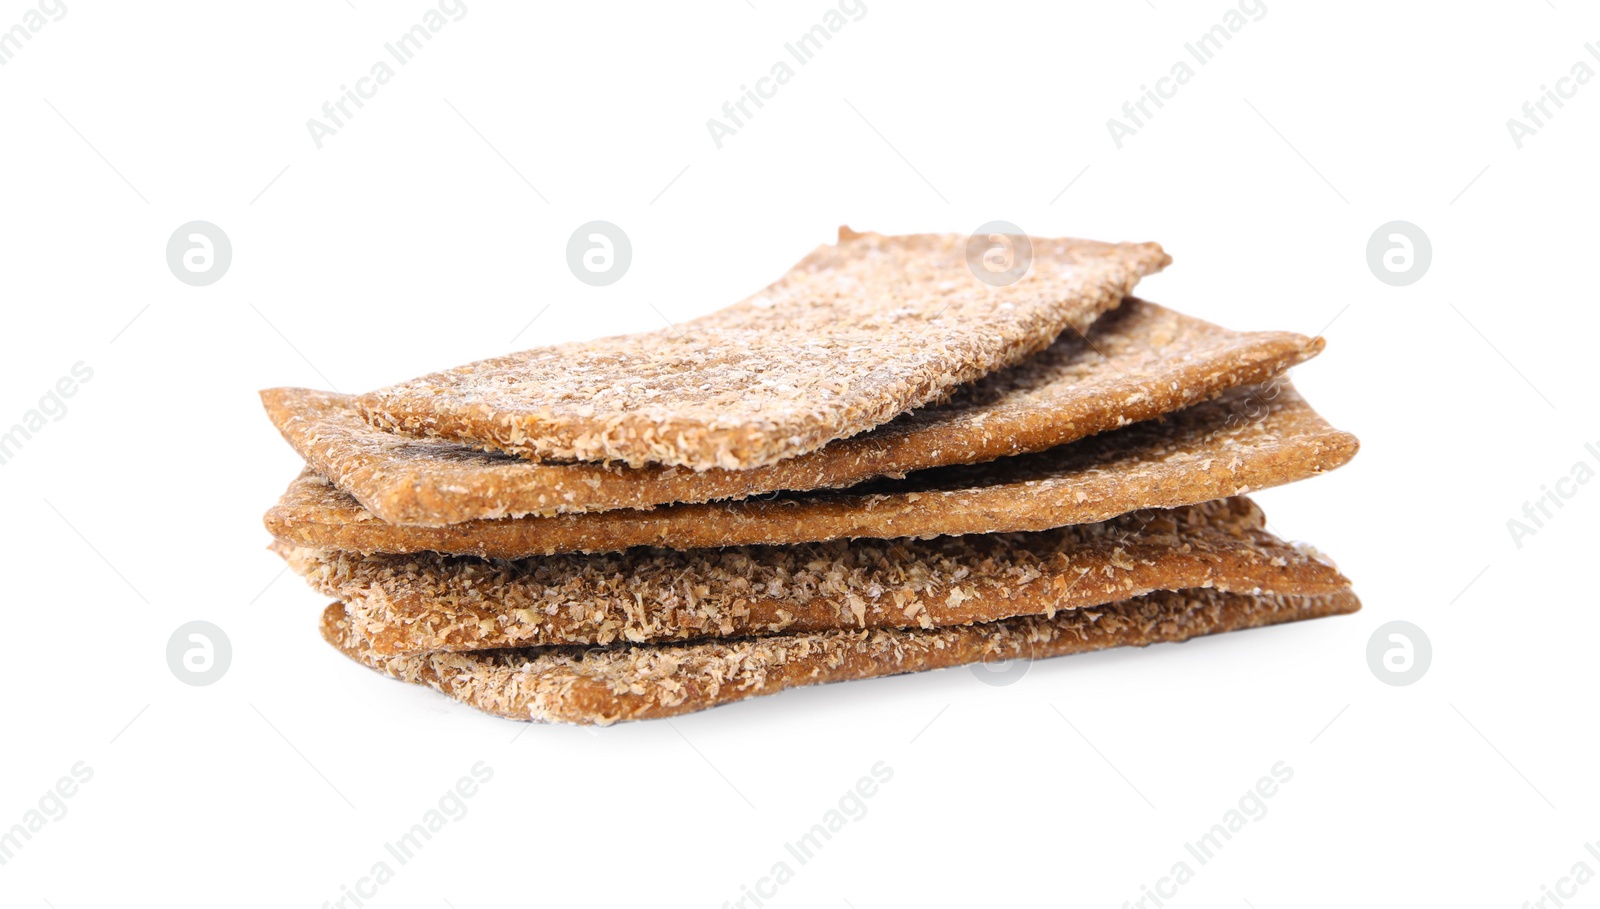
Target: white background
(409, 243)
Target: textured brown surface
(1136, 362)
(632, 682)
(852, 336)
(1249, 438)
(422, 603)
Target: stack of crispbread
(876, 465)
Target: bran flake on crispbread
(1136, 362)
(852, 336)
(603, 685)
(407, 604)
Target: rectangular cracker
(407, 604)
(1135, 363)
(1249, 438)
(852, 336)
(604, 685)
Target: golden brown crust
(1135, 363)
(1248, 438)
(420, 603)
(852, 336)
(631, 682)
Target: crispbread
(632, 682)
(1249, 438)
(420, 603)
(852, 336)
(1134, 363)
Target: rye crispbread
(852, 336)
(404, 604)
(1248, 438)
(1137, 362)
(603, 685)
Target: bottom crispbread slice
(1249, 438)
(407, 604)
(589, 686)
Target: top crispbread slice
(1136, 362)
(854, 335)
(1248, 438)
